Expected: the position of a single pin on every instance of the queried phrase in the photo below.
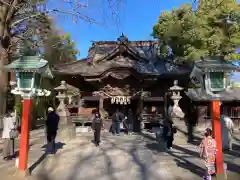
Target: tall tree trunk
(3, 82)
(7, 11)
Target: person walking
(207, 151)
(97, 125)
(169, 130)
(9, 134)
(51, 129)
(129, 122)
(117, 118)
(172, 131)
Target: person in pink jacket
(207, 151)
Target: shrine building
(130, 75)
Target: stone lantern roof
(69, 89)
(30, 64)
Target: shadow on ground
(108, 169)
(58, 146)
(184, 157)
(141, 154)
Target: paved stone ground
(136, 157)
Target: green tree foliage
(211, 29)
(59, 48)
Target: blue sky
(135, 19)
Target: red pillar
(217, 132)
(24, 139)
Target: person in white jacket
(227, 132)
(9, 122)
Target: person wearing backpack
(169, 130)
(97, 125)
(116, 121)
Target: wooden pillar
(216, 125)
(165, 104)
(101, 110)
(139, 125)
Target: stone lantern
(66, 128)
(176, 97)
(62, 97)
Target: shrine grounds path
(135, 157)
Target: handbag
(13, 133)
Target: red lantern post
(24, 139)
(216, 125)
(31, 69)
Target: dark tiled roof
(103, 57)
(200, 95)
(153, 67)
(216, 65)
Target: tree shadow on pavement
(111, 162)
(45, 172)
(58, 146)
(183, 159)
(231, 166)
(143, 167)
(155, 147)
(182, 162)
(236, 139)
(188, 165)
(196, 139)
(147, 136)
(235, 152)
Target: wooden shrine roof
(138, 56)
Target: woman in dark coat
(129, 122)
(52, 127)
(97, 125)
(168, 133)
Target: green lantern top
(30, 64)
(30, 70)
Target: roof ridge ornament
(123, 39)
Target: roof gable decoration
(123, 45)
(123, 39)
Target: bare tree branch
(8, 4)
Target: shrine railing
(144, 117)
(80, 120)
